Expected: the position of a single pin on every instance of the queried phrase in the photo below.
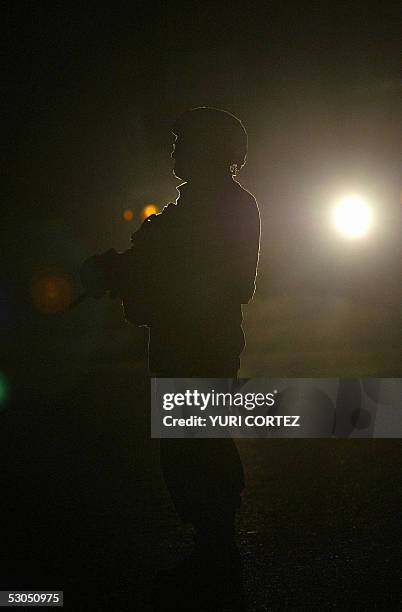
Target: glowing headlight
(352, 216)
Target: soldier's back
(207, 259)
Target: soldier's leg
(205, 476)
(205, 480)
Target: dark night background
(91, 95)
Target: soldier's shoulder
(246, 201)
(243, 193)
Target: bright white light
(352, 216)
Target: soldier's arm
(128, 275)
(250, 252)
(243, 253)
(229, 262)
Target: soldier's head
(209, 142)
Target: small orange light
(148, 210)
(52, 291)
(128, 214)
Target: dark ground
(86, 509)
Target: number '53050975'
(33, 598)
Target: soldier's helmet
(217, 131)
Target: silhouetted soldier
(186, 276)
